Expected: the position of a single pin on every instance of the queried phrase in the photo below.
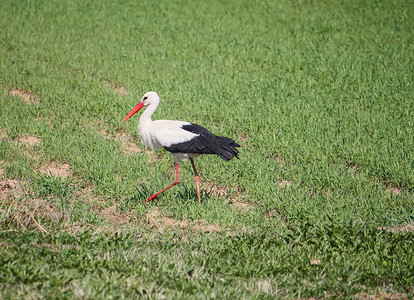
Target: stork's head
(148, 99)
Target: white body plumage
(163, 133)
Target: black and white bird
(182, 139)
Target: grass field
(318, 93)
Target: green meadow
(319, 94)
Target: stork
(183, 140)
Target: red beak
(134, 111)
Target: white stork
(183, 139)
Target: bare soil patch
(234, 197)
(281, 162)
(241, 205)
(119, 89)
(112, 216)
(382, 296)
(44, 209)
(1, 168)
(399, 229)
(201, 225)
(53, 169)
(284, 183)
(27, 97)
(29, 140)
(272, 213)
(28, 214)
(156, 219)
(10, 189)
(3, 133)
(315, 262)
(394, 190)
(214, 189)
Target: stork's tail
(226, 148)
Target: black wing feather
(206, 143)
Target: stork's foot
(153, 197)
(177, 181)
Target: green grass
(318, 93)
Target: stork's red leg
(177, 180)
(197, 180)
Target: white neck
(146, 116)
(144, 126)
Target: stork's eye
(145, 98)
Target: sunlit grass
(319, 95)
